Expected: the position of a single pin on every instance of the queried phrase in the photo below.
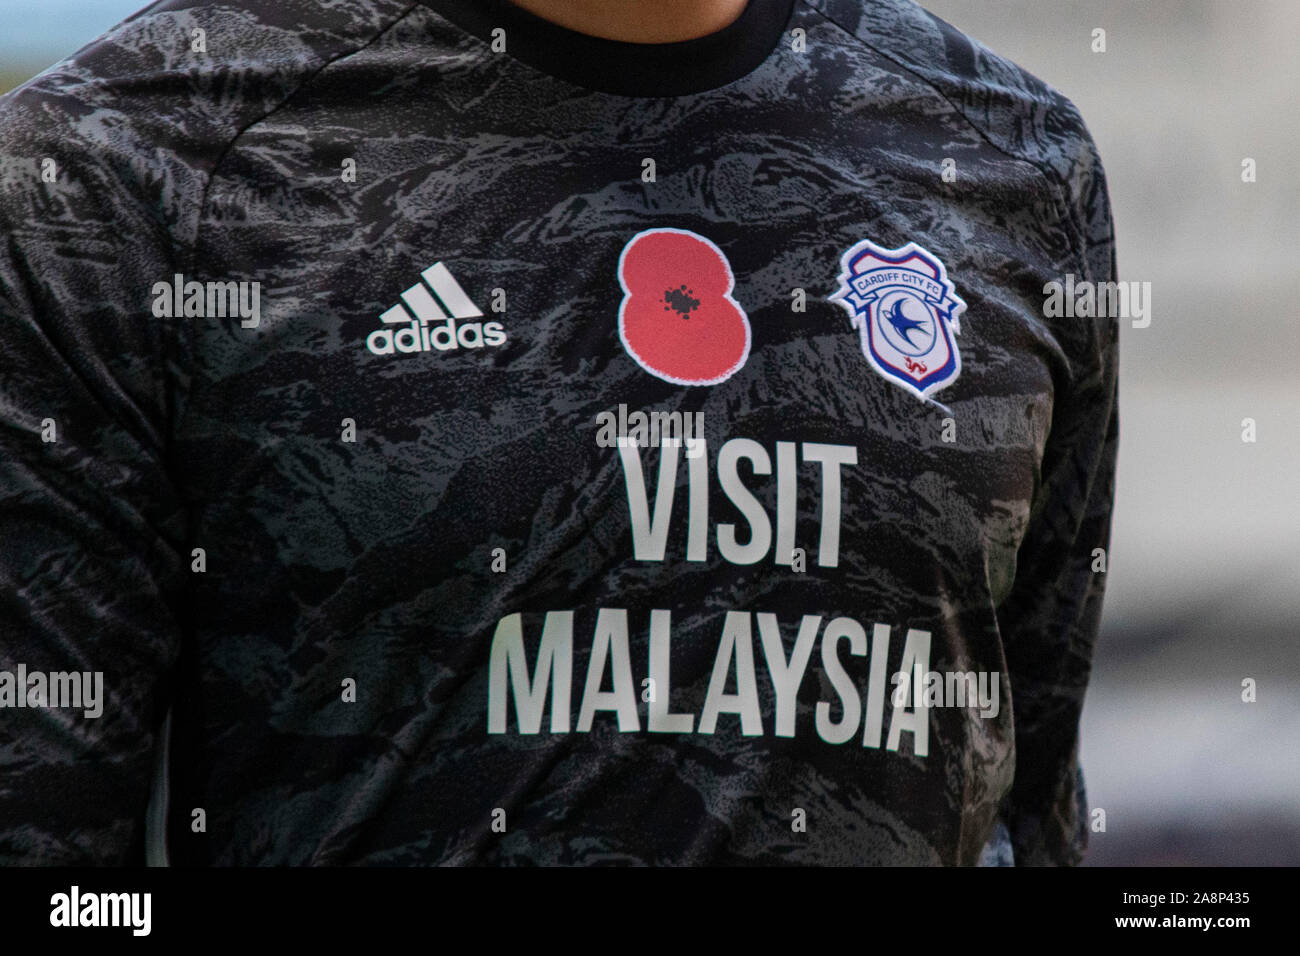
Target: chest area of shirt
(555, 327)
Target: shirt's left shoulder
(1015, 111)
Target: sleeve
(91, 527)
(1051, 619)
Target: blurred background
(1204, 586)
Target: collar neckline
(621, 68)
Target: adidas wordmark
(438, 303)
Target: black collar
(627, 69)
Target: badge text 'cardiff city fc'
(906, 312)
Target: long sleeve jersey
(496, 444)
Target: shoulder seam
(190, 255)
(1054, 186)
(230, 143)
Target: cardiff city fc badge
(906, 312)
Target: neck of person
(639, 21)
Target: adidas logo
(432, 328)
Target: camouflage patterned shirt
(495, 444)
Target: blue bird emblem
(905, 310)
(901, 323)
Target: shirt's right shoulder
(144, 113)
(1013, 110)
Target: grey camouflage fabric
(373, 560)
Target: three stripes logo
(434, 327)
